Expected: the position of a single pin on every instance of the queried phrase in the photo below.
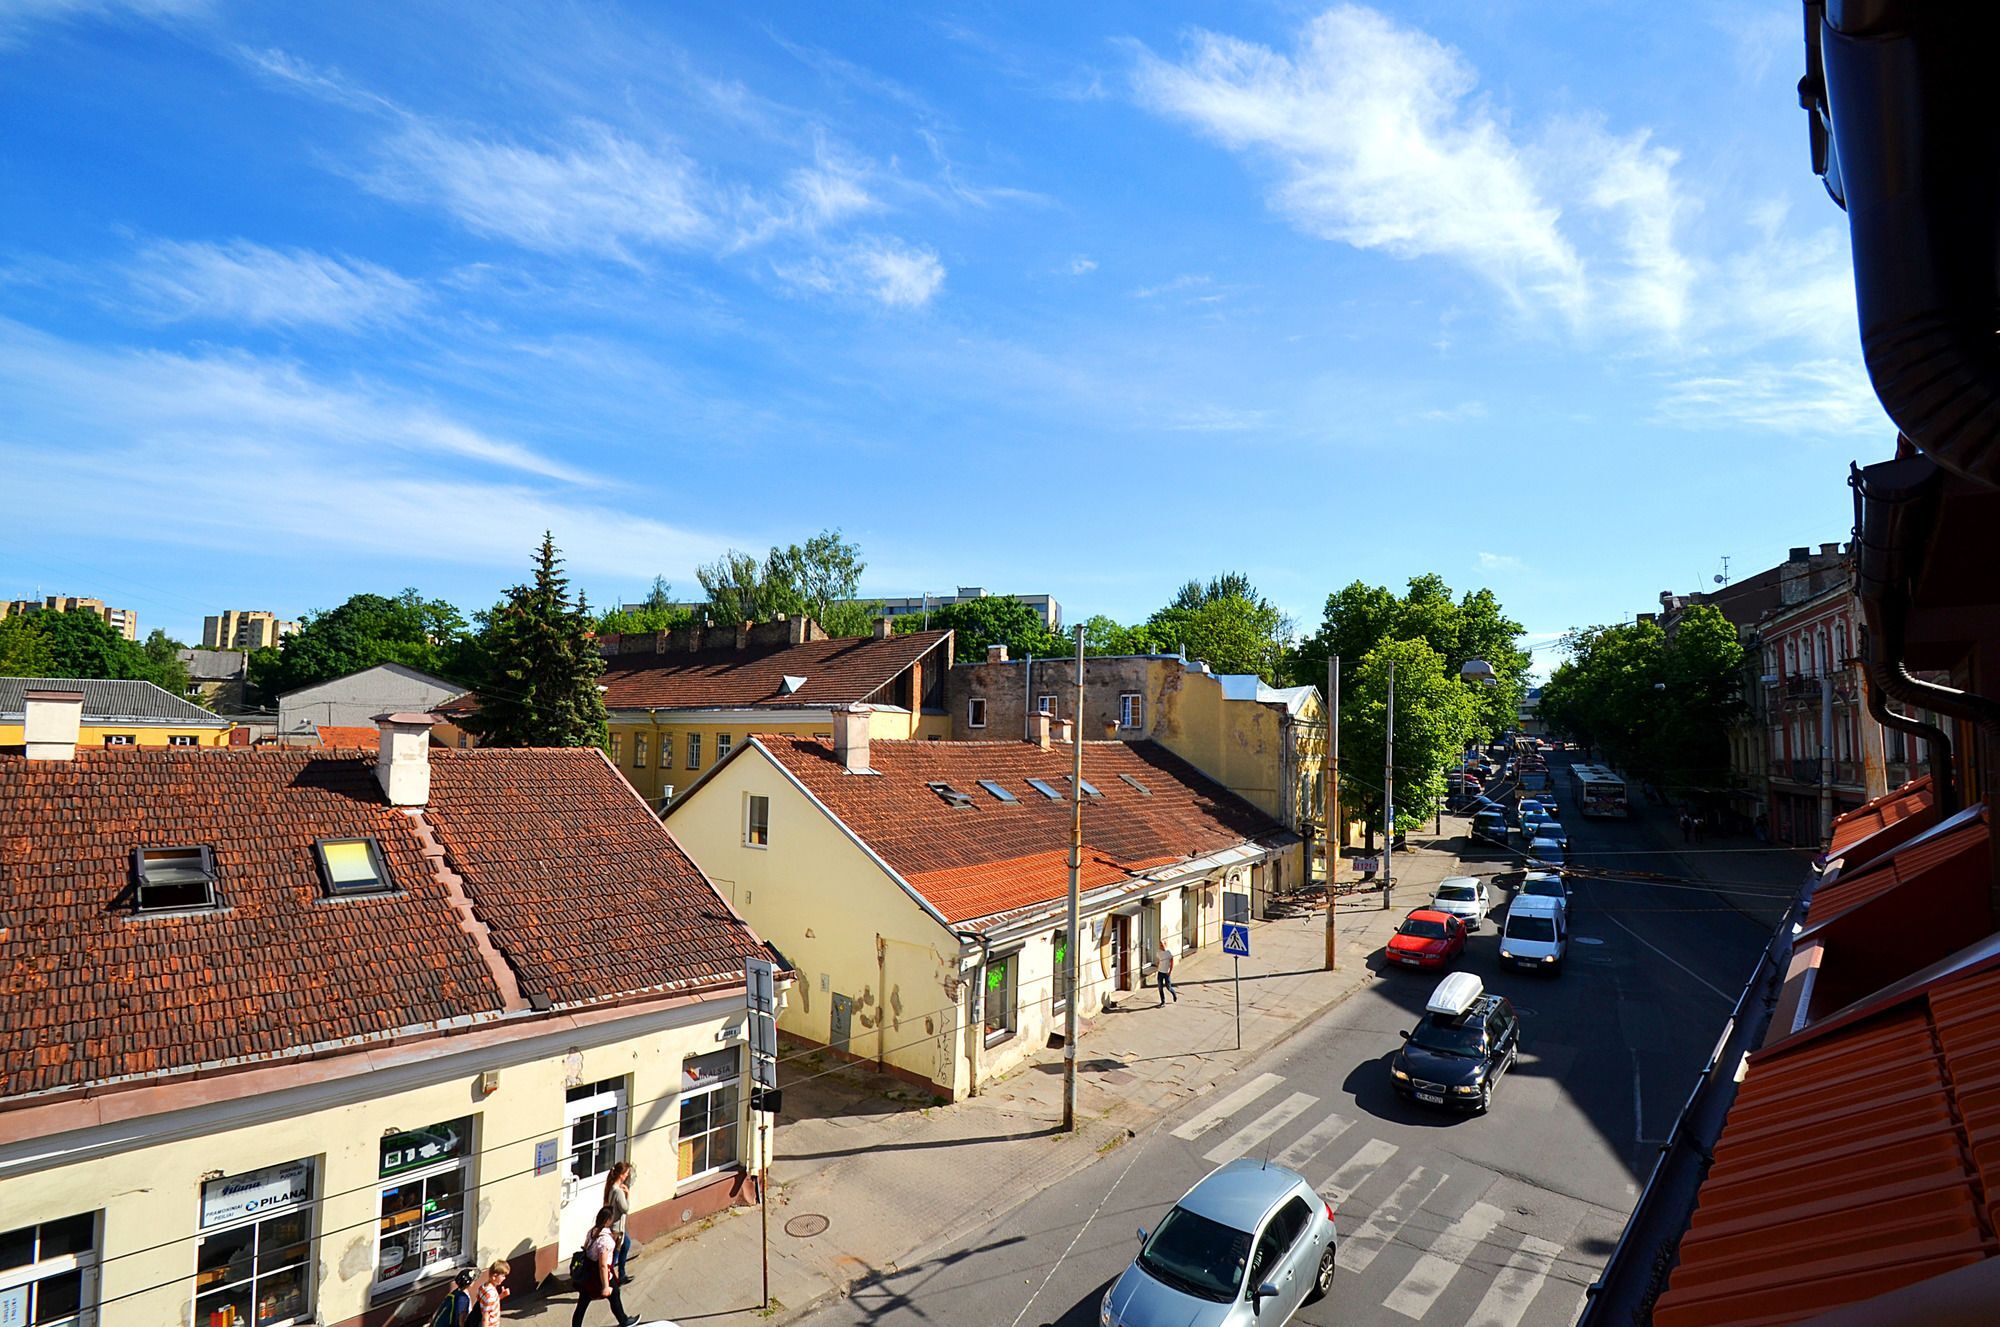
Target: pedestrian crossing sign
(1236, 939)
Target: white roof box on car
(1455, 994)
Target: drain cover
(806, 1226)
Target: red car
(1427, 939)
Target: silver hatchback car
(1246, 1246)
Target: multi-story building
(681, 700)
(124, 621)
(216, 678)
(244, 629)
(115, 712)
(292, 1036)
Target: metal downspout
(1937, 747)
(975, 1034)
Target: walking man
(1163, 963)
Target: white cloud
(884, 269)
(599, 192)
(1081, 266)
(1179, 284)
(249, 283)
(1451, 414)
(1830, 396)
(17, 15)
(1500, 562)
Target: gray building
(353, 701)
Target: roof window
(178, 879)
(1046, 789)
(1089, 788)
(352, 866)
(999, 791)
(952, 796)
(1143, 790)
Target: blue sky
(297, 301)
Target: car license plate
(1431, 1097)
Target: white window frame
(1131, 709)
(309, 1209)
(1049, 703)
(975, 711)
(39, 1269)
(694, 751)
(617, 748)
(733, 1086)
(666, 760)
(468, 1252)
(120, 739)
(1010, 1025)
(722, 745)
(750, 840)
(1059, 972)
(183, 739)
(638, 751)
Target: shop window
(711, 1113)
(1059, 952)
(176, 879)
(757, 821)
(422, 1229)
(694, 750)
(253, 1262)
(999, 1012)
(48, 1272)
(352, 866)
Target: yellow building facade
(116, 712)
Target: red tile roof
(342, 737)
(1909, 809)
(992, 857)
(582, 891)
(842, 671)
(1964, 836)
(1859, 1157)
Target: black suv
(1453, 1059)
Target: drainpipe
(1028, 702)
(1825, 745)
(975, 1032)
(1937, 747)
(881, 1003)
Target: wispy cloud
(1500, 562)
(18, 16)
(883, 269)
(1179, 285)
(1450, 414)
(242, 282)
(1829, 396)
(1081, 266)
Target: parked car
(1466, 1040)
(1536, 933)
(1545, 851)
(1489, 827)
(1245, 1247)
(1464, 897)
(1544, 884)
(1427, 938)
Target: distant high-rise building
(121, 620)
(244, 629)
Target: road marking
(1374, 1234)
(1670, 958)
(1317, 1139)
(1235, 1101)
(1253, 1135)
(1452, 1249)
(1095, 1212)
(1374, 1153)
(1638, 1105)
(1506, 1300)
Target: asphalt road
(1498, 1220)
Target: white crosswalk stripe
(1451, 1250)
(1254, 1134)
(1506, 1300)
(1226, 1107)
(1342, 1184)
(1358, 1250)
(1315, 1140)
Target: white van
(1536, 934)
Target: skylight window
(999, 791)
(1089, 789)
(352, 866)
(952, 796)
(1046, 789)
(1143, 790)
(173, 879)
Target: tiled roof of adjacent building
(840, 671)
(1912, 807)
(992, 856)
(347, 737)
(578, 885)
(111, 700)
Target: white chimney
(52, 720)
(996, 654)
(1065, 731)
(850, 738)
(1038, 729)
(403, 765)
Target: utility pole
(1389, 796)
(1825, 749)
(1332, 776)
(1070, 962)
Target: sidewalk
(866, 1181)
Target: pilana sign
(234, 1197)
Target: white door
(593, 1138)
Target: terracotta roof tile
(1891, 870)
(1909, 810)
(992, 857)
(348, 738)
(841, 671)
(582, 889)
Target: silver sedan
(1247, 1245)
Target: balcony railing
(1846, 773)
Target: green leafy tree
(1104, 635)
(79, 643)
(23, 652)
(819, 579)
(1228, 624)
(992, 620)
(656, 612)
(1435, 714)
(736, 588)
(426, 634)
(541, 686)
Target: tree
(79, 643)
(23, 652)
(1435, 715)
(736, 588)
(426, 634)
(1226, 623)
(993, 620)
(541, 687)
(1104, 635)
(656, 612)
(819, 579)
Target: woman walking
(600, 1278)
(618, 1197)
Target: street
(1496, 1220)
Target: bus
(1599, 792)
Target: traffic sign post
(1236, 944)
(760, 982)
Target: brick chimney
(885, 627)
(996, 654)
(850, 738)
(403, 765)
(1038, 729)
(52, 721)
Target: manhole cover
(805, 1227)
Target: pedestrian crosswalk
(1424, 1236)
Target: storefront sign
(255, 1192)
(545, 1156)
(425, 1147)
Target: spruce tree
(541, 687)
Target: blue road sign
(1236, 939)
